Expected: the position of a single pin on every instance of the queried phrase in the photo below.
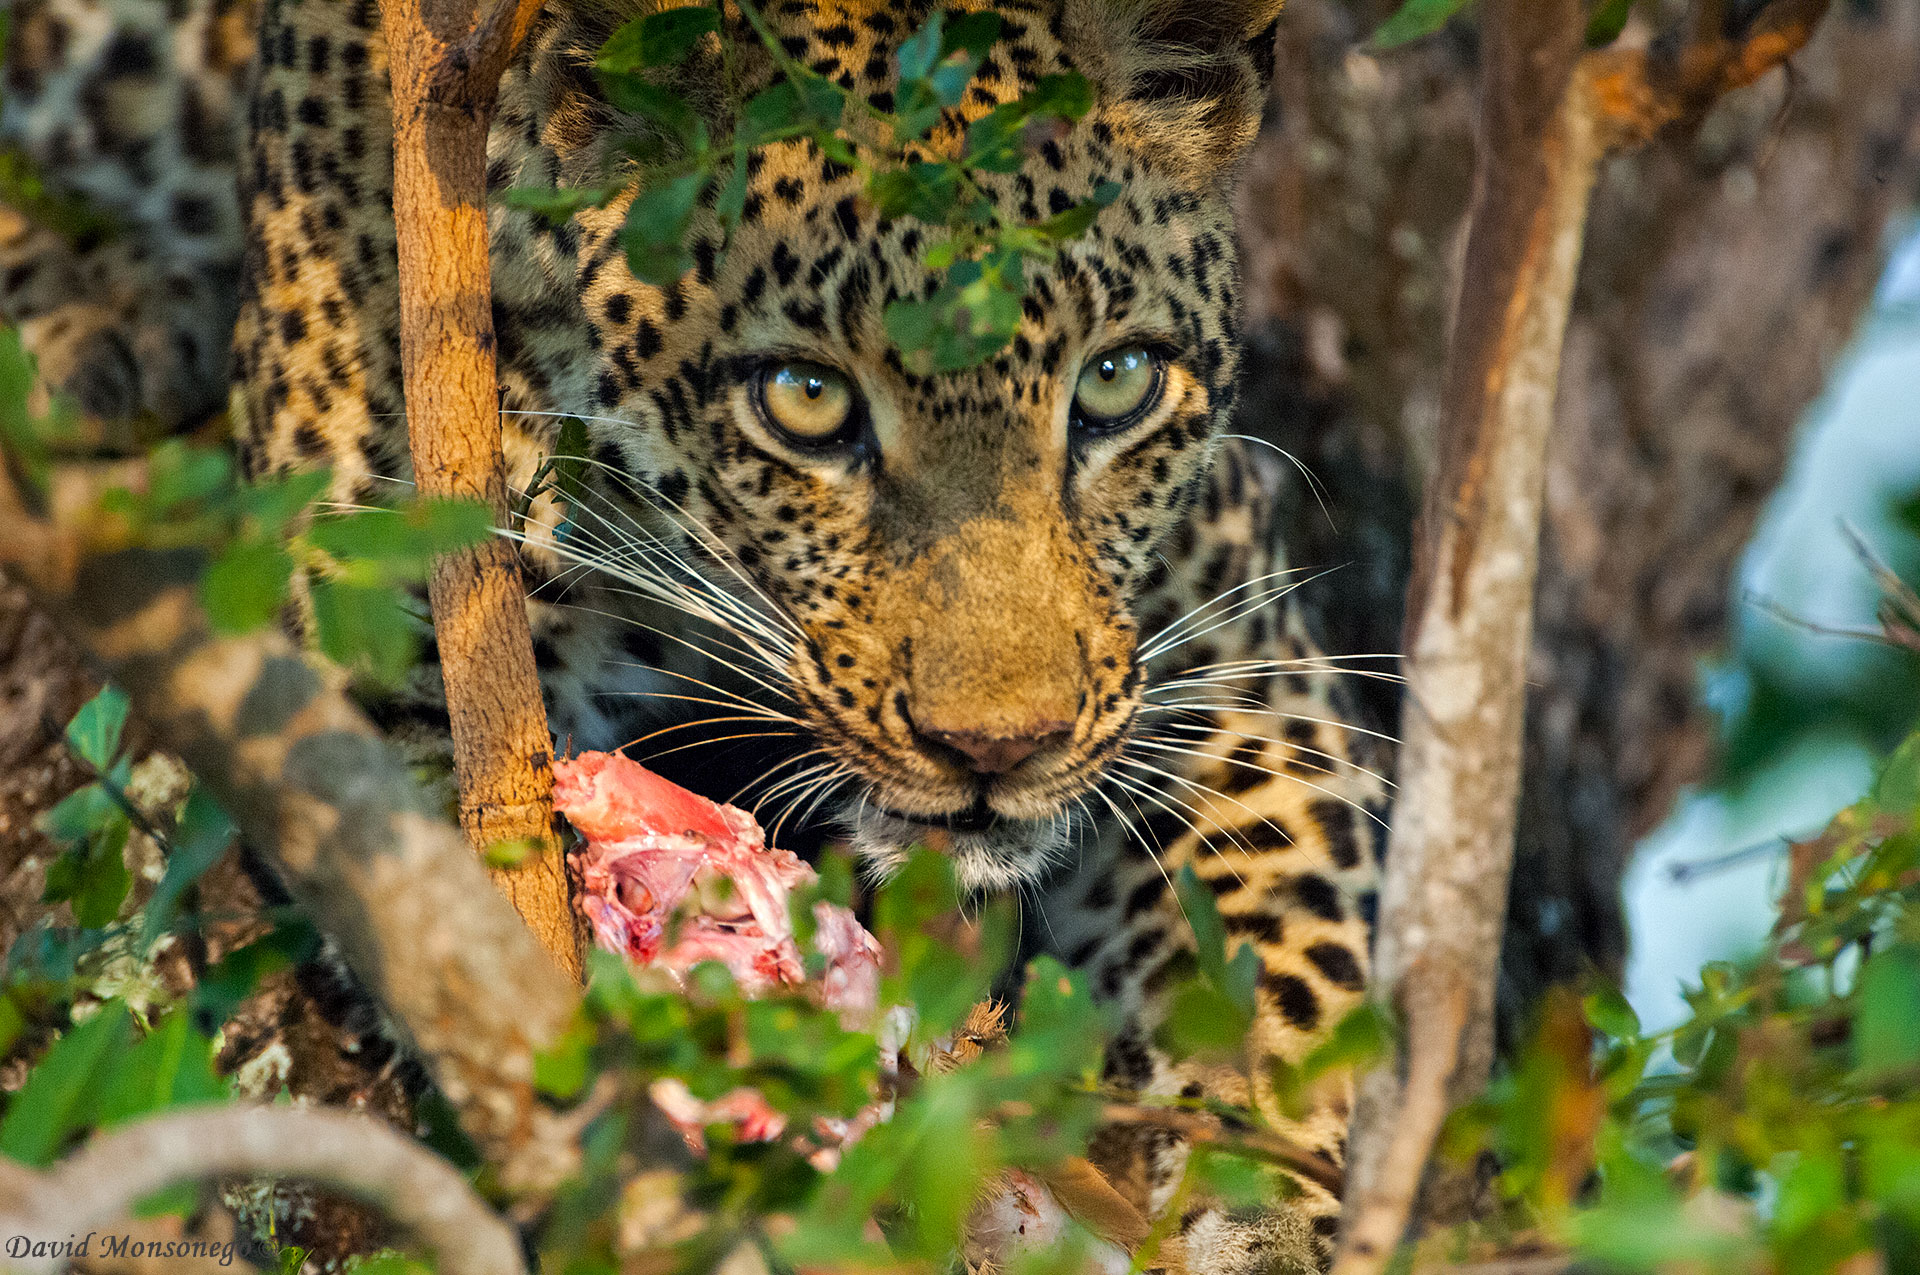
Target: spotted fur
(973, 570)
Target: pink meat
(670, 879)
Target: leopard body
(974, 575)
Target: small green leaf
(1414, 19)
(246, 585)
(656, 229)
(200, 836)
(402, 542)
(562, 1071)
(658, 39)
(1608, 1011)
(81, 814)
(919, 51)
(105, 881)
(63, 1090)
(368, 628)
(1073, 222)
(222, 988)
(921, 189)
(970, 33)
(663, 107)
(172, 1066)
(1886, 1032)
(1608, 20)
(94, 732)
(1898, 788)
(558, 205)
(511, 854)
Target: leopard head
(948, 563)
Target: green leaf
(558, 204)
(656, 229)
(369, 629)
(222, 988)
(63, 1090)
(663, 107)
(659, 39)
(1608, 20)
(1414, 19)
(104, 884)
(921, 189)
(1074, 221)
(1067, 95)
(1886, 1031)
(179, 474)
(402, 542)
(919, 51)
(172, 1066)
(562, 1070)
(970, 33)
(200, 836)
(272, 503)
(1607, 1010)
(12, 1023)
(246, 585)
(94, 732)
(81, 814)
(1898, 788)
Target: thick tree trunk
(1726, 266)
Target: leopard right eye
(809, 404)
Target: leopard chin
(990, 853)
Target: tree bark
(446, 60)
(1470, 607)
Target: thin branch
(446, 62)
(102, 1182)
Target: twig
(446, 62)
(103, 1181)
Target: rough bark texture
(1470, 607)
(446, 61)
(1727, 264)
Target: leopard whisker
(1211, 729)
(1254, 708)
(1163, 746)
(1313, 484)
(1162, 639)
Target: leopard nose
(989, 754)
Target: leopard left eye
(1118, 388)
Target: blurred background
(1741, 380)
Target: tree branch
(314, 788)
(1547, 118)
(102, 1182)
(446, 63)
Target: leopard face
(945, 566)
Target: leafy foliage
(685, 166)
(1778, 1127)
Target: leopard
(1033, 614)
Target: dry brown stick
(446, 61)
(102, 1182)
(1547, 118)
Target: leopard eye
(808, 402)
(1117, 388)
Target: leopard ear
(1190, 76)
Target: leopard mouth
(989, 851)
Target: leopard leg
(1240, 769)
